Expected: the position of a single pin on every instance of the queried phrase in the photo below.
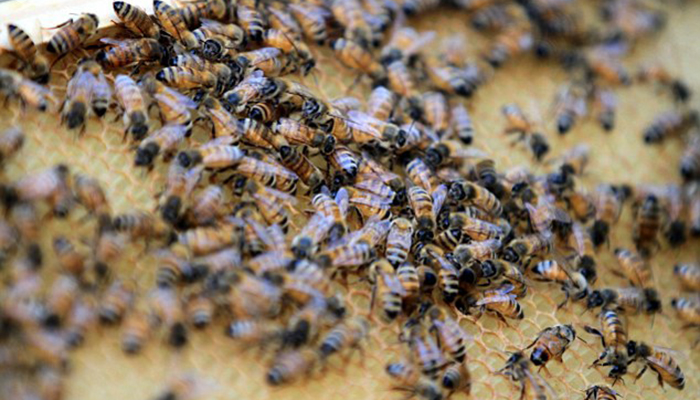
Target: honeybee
(451, 80)
(690, 160)
(166, 309)
(193, 12)
(570, 105)
(282, 20)
(73, 34)
(688, 310)
(475, 228)
(354, 56)
(11, 141)
(421, 175)
(165, 140)
(347, 335)
(493, 18)
(173, 267)
(136, 331)
(51, 185)
(426, 207)
(500, 302)
(453, 338)
(252, 21)
(551, 343)
(254, 332)
(200, 310)
(255, 88)
(574, 284)
(411, 380)
(668, 124)
(600, 393)
(398, 242)
(118, 298)
(297, 133)
(273, 175)
(70, 260)
(207, 206)
(466, 254)
(291, 365)
(476, 195)
(235, 35)
(605, 102)
(607, 68)
(127, 52)
(402, 82)
(173, 23)
(689, 275)
(305, 244)
(109, 247)
(26, 51)
(180, 184)
(507, 45)
(279, 39)
(368, 204)
(517, 368)
(426, 353)
(184, 387)
(631, 300)
(647, 223)
(312, 20)
(14, 86)
(136, 20)
(79, 95)
(381, 103)
(608, 202)
(634, 268)
(335, 208)
(133, 105)
(461, 123)
(660, 361)
(304, 168)
(141, 224)
(273, 204)
(60, 299)
(516, 119)
(186, 78)
(387, 289)
(658, 74)
(174, 107)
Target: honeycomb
(100, 370)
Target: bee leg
(136, 69)
(660, 380)
(502, 318)
(546, 371)
(61, 25)
(639, 375)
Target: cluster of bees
(393, 194)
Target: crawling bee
(70, 259)
(386, 289)
(166, 309)
(136, 20)
(312, 20)
(136, 330)
(647, 224)
(614, 340)
(523, 249)
(87, 88)
(411, 380)
(631, 300)
(11, 141)
(461, 123)
(551, 343)
(457, 378)
(61, 297)
(73, 34)
(570, 106)
(165, 141)
(278, 39)
(669, 124)
(689, 275)
(608, 202)
(200, 310)
(308, 172)
(453, 338)
(658, 74)
(658, 360)
(507, 45)
(426, 207)
(50, 185)
(517, 368)
(29, 93)
(127, 52)
(600, 393)
(500, 302)
(26, 51)
(174, 107)
(335, 208)
(634, 268)
(355, 57)
(300, 134)
(305, 244)
(476, 195)
(398, 243)
(688, 310)
(574, 284)
(347, 335)
(291, 365)
(133, 105)
(118, 298)
(173, 23)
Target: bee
(668, 124)
(271, 60)
(118, 298)
(200, 310)
(421, 175)
(291, 365)
(308, 172)
(312, 20)
(50, 185)
(402, 82)
(694, 210)
(179, 186)
(398, 242)
(523, 249)
(456, 378)
(141, 224)
(27, 92)
(166, 308)
(60, 299)
(193, 12)
(451, 80)
(234, 35)
(475, 228)
(347, 335)
(73, 34)
(517, 368)
(511, 273)
(79, 95)
(600, 393)
(608, 202)
(508, 44)
(634, 268)
(298, 49)
(173, 267)
(658, 74)
(283, 21)
(493, 18)
(256, 87)
(447, 274)
(411, 380)
(109, 247)
(127, 52)
(26, 51)
(354, 56)
(688, 310)
(427, 354)
(516, 119)
(501, 302)
(346, 163)
(172, 22)
(184, 387)
(254, 332)
(70, 260)
(165, 140)
(551, 343)
(658, 360)
(306, 243)
(466, 254)
(381, 103)
(208, 206)
(272, 204)
(252, 21)
(185, 78)
(688, 275)
(207, 239)
(690, 160)
(133, 104)
(605, 102)
(136, 331)
(426, 207)
(476, 195)
(300, 134)
(647, 223)
(461, 123)
(608, 69)
(410, 280)
(436, 112)
(273, 175)
(631, 300)
(174, 107)
(136, 20)
(453, 338)
(350, 14)
(11, 141)
(570, 106)
(335, 208)
(574, 284)
(387, 289)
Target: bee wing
(281, 196)
(262, 232)
(319, 224)
(439, 195)
(536, 381)
(115, 42)
(175, 100)
(342, 198)
(364, 123)
(393, 283)
(495, 299)
(420, 41)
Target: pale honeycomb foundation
(101, 371)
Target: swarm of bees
(289, 196)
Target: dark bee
(668, 124)
(73, 34)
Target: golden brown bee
(493, 18)
(478, 196)
(283, 21)
(200, 310)
(689, 275)
(401, 81)
(608, 69)
(688, 310)
(508, 44)
(335, 208)
(50, 185)
(355, 57)
(117, 299)
(346, 163)
(174, 107)
(11, 141)
(453, 338)
(272, 175)
(570, 105)
(173, 267)
(551, 343)
(207, 206)
(270, 60)
(298, 49)
(273, 204)
(634, 268)
(14, 86)
(425, 208)
(347, 335)
(179, 186)
(165, 140)
(668, 124)
(141, 224)
(436, 111)
(136, 331)
(291, 365)
(461, 123)
(658, 360)
(605, 104)
(305, 244)
(133, 105)
(207, 239)
(136, 20)
(89, 194)
(631, 300)
(307, 171)
(27, 222)
(381, 103)
(447, 274)
(410, 379)
(451, 80)
(574, 284)
(456, 378)
(475, 228)
(26, 51)
(232, 35)
(347, 256)
(185, 78)
(647, 224)
(410, 280)
(127, 52)
(516, 119)
(70, 260)
(517, 368)
(427, 354)
(312, 20)
(500, 302)
(351, 15)
(421, 175)
(193, 12)
(256, 87)
(600, 393)
(608, 202)
(300, 134)
(184, 387)
(61, 296)
(87, 87)
(658, 74)
(386, 289)
(254, 331)
(523, 249)
(172, 22)
(167, 309)
(73, 34)
(398, 242)
(252, 21)
(109, 247)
